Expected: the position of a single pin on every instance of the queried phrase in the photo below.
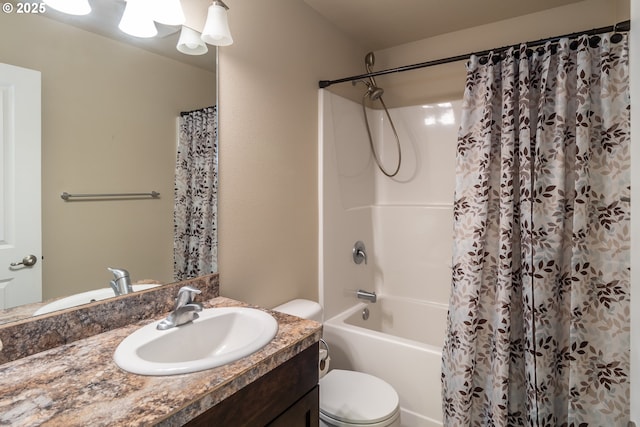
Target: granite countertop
(79, 384)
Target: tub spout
(366, 295)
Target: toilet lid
(356, 397)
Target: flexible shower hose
(373, 150)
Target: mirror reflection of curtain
(195, 246)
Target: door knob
(27, 261)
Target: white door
(20, 216)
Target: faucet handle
(115, 288)
(118, 273)
(186, 294)
(121, 283)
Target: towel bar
(67, 196)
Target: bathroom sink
(219, 336)
(84, 298)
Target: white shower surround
(406, 222)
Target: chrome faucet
(366, 295)
(121, 284)
(185, 310)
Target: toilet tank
(303, 308)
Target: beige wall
(268, 207)
(109, 116)
(268, 125)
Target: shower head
(373, 92)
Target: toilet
(348, 398)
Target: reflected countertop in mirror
(36, 334)
(21, 312)
(26, 311)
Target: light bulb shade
(216, 29)
(137, 19)
(168, 12)
(71, 7)
(190, 42)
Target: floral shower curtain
(538, 325)
(195, 244)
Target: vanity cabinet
(287, 396)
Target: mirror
(109, 125)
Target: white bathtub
(401, 343)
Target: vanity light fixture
(71, 7)
(191, 43)
(216, 29)
(139, 16)
(168, 12)
(137, 19)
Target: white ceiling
(374, 24)
(380, 24)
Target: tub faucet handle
(359, 252)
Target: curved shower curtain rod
(619, 27)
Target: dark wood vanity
(287, 397)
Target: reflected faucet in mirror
(121, 284)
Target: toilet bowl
(349, 398)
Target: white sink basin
(219, 336)
(83, 298)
